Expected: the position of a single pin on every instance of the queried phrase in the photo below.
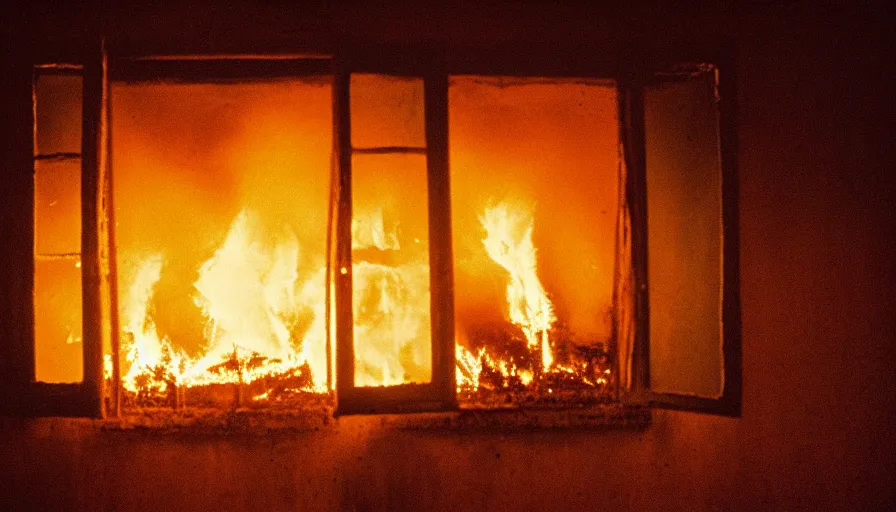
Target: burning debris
(253, 302)
(504, 371)
(532, 357)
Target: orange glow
(222, 194)
(57, 229)
(534, 176)
(221, 204)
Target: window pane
(684, 212)
(57, 320)
(57, 207)
(390, 261)
(58, 113)
(387, 111)
(221, 195)
(534, 184)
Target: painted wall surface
(817, 430)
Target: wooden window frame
(440, 393)
(84, 398)
(98, 259)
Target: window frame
(440, 393)
(84, 398)
(630, 73)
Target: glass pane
(58, 113)
(390, 261)
(221, 195)
(534, 200)
(57, 207)
(57, 320)
(684, 212)
(387, 111)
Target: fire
(253, 300)
(509, 243)
(247, 291)
(263, 318)
(468, 367)
(391, 304)
(250, 294)
(145, 350)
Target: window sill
(617, 416)
(614, 416)
(273, 420)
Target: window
(490, 238)
(221, 187)
(71, 286)
(535, 206)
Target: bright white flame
(391, 307)
(145, 349)
(372, 230)
(248, 291)
(509, 243)
(468, 367)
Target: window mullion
(440, 253)
(345, 357)
(93, 172)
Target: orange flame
(252, 297)
(391, 305)
(509, 243)
(145, 350)
(248, 291)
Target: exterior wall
(818, 347)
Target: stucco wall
(818, 348)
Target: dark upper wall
(817, 268)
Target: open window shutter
(692, 308)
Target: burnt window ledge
(211, 422)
